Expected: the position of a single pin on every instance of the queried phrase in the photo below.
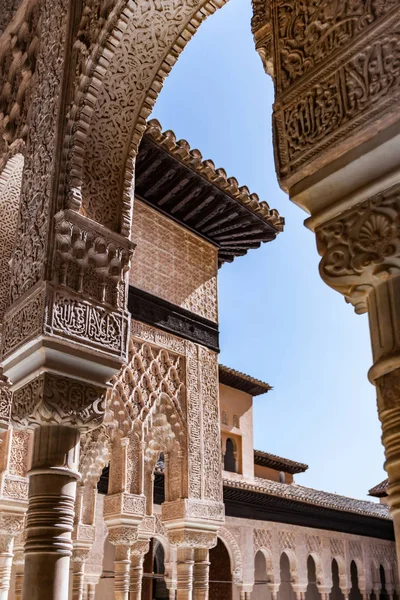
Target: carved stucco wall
(174, 264)
(244, 538)
(299, 542)
(10, 188)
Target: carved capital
(11, 523)
(140, 548)
(361, 248)
(53, 400)
(185, 537)
(124, 536)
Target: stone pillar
(79, 557)
(184, 571)
(19, 563)
(122, 572)
(50, 515)
(201, 574)
(338, 158)
(138, 552)
(91, 591)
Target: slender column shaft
(384, 319)
(50, 516)
(121, 567)
(78, 579)
(201, 574)
(91, 591)
(184, 570)
(6, 558)
(135, 590)
(19, 572)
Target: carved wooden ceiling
(177, 182)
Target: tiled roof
(306, 495)
(265, 459)
(380, 490)
(243, 382)
(194, 159)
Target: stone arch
(319, 568)
(10, 189)
(235, 555)
(146, 416)
(288, 575)
(291, 556)
(140, 44)
(269, 563)
(342, 569)
(19, 47)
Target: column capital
(361, 248)
(51, 399)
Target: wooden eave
(265, 459)
(176, 181)
(241, 381)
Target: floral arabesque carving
(308, 32)
(348, 97)
(145, 33)
(19, 47)
(362, 247)
(30, 253)
(53, 400)
(10, 189)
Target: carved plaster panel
(53, 400)
(337, 77)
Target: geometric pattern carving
(336, 547)
(262, 538)
(10, 189)
(355, 549)
(313, 543)
(287, 540)
(150, 372)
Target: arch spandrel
(121, 99)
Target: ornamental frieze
(309, 32)
(54, 400)
(338, 70)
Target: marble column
(201, 574)
(122, 572)
(184, 573)
(50, 515)
(138, 551)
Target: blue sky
(278, 320)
